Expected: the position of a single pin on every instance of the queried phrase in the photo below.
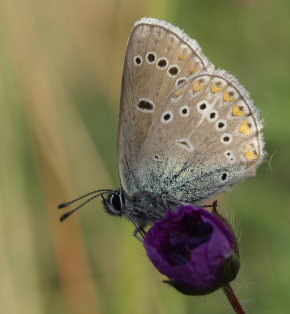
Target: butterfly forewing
(206, 138)
(159, 58)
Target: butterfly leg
(139, 230)
(214, 206)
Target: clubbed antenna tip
(63, 205)
(65, 216)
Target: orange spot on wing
(237, 111)
(193, 67)
(247, 147)
(196, 86)
(179, 93)
(182, 56)
(215, 88)
(251, 155)
(246, 128)
(228, 96)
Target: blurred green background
(60, 71)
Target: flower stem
(229, 292)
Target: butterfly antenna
(65, 204)
(66, 215)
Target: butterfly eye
(117, 201)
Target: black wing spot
(173, 70)
(138, 60)
(151, 57)
(162, 63)
(202, 106)
(224, 176)
(145, 105)
(167, 116)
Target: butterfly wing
(159, 57)
(207, 138)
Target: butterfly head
(115, 203)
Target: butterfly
(186, 130)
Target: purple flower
(195, 249)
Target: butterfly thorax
(141, 209)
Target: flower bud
(195, 249)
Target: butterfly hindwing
(207, 138)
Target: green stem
(236, 305)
